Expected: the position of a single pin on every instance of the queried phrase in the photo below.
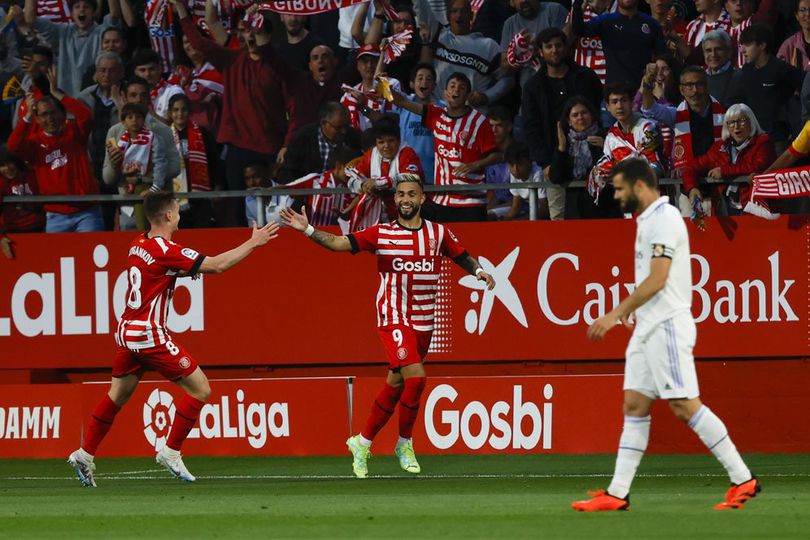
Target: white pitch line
(131, 475)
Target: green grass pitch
(505, 496)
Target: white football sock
(714, 435)
(402, 440)
(632, 444)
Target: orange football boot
(600, 501)
(737, 494)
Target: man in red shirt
(155, 263)
(409, 255)
(56, 148)
(464, 146)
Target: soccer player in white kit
(659, 362)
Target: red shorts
(404, 345)
(170, 360)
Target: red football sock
(185, 416)
(381, 410)
(100, 423)
(409, 405)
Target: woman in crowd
(198, 159)
(743, 150)
(579, 148)
(794, 49)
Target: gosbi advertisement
(561, 414)
(293, 302)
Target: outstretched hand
(293, 219)
(261, 236)
(488, 279)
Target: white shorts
(660, 363)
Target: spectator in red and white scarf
(367, 58)
(744, 149)
(17, 179)
(697, 120)
(202, 83)
(198, 163)
(376, 173)
(146, 64)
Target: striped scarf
(194, 176)
(783, 184)
(682, 152)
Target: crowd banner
(781, 184)
(295, 303)
(306, 7)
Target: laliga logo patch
(402, 353)
(158, 415)
(184, 362)
(190, 253)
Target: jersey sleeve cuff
(353, 242)
(197, 264)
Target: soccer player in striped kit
(659, 362)
(155, 263)
(409, 252)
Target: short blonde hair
(735, 111)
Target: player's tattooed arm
(471, 265)
(331, 241)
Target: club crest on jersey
(190, 253)
(432, 244)
(464, 136)
(402, 353)
(645, 28)
(184, 362)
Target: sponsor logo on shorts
(402, 353)
(184, 362)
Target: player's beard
(413, 213)
(630, 205)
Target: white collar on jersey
(650, 209)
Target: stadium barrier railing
(263, 193)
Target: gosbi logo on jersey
(228, 419)
(422, 265)
(504, 291)
(449, 153)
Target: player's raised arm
(468, 263)
(224, 261)
(300, 223)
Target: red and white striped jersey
(159, 24)
(698, 27)
(458, 141)
(154, 264)
(54, 10)
(409, 263)
(738, 58)
(588, 51)
(322, 209)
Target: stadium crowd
(130, 96)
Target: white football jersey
(661, 232)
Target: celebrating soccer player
(155, 263)
(409, 252)
(659, 363)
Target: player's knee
(203, 392)
(632, 408)
(681, 411)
